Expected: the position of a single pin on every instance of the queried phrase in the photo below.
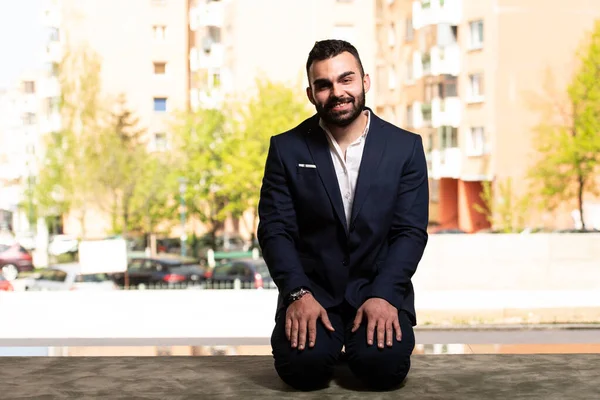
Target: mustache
(337, 100)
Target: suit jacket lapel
(319, 149)
(372, 154)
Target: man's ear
(367, 82)
(309, 94)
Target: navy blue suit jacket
(303, 232)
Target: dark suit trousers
(312, 368)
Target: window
(29, 87)
(426, 61)
(160, 32)
(29, 118)
(159, 2)
(160, 68)
(160, 104)
(430, 142)
(392, 78)
(449, 87)
(160, 141)
(410, 31)
(448, 137)
(434, 190)
(392, 35)
(215, 80)
(476, 29)
(214, 34)
(409, 116)
(53, 34)
(52, 104)
(475, 92)
(476, 141)
(410, 77)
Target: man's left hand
(381, 315)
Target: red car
(5, 285)
(14, 259)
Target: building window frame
(476, 34)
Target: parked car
(14, 259)
(5, 285)
(249, 272)
(71, 277)
(163, 269)
(63, 244)
(223, 243)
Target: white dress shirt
(346, 168)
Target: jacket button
(345, 262)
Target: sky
(22, 38)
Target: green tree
(66, 179)
(568, 141)
(504, 210)
(274, 109)
(118, 159)
(199, 142)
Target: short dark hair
(325, 49)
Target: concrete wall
(463, 278)
(510, 262)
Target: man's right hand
(301, 317)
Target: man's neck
(345, 135)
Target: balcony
(51, 17)
(417, 115)
(54, 52)
(214, 58)
(49, 87)
(210, 14)
(433, 12)
(446, 163)
(212, 99)
(446, 112)
(445, 60)
(52, 123)
(426, 111)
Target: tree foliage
(569, 138)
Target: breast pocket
(307, 174)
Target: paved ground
(445, 377)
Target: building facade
(462, 73)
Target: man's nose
(338, 90)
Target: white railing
(446, 112)
(445, 60)
(432, 12)
(446, 163)
(211, 14)
(214, 58)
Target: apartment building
(171, 55)
(235, 42)
(462, 73)
(21, 112)
(143, 47)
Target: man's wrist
(297, 294)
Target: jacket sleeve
(408, 233)
(277, 228)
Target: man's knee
(309, 369)
(381, 369)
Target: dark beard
(343, 118)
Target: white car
(62, 244)
(70, 277)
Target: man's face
(337, 89)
